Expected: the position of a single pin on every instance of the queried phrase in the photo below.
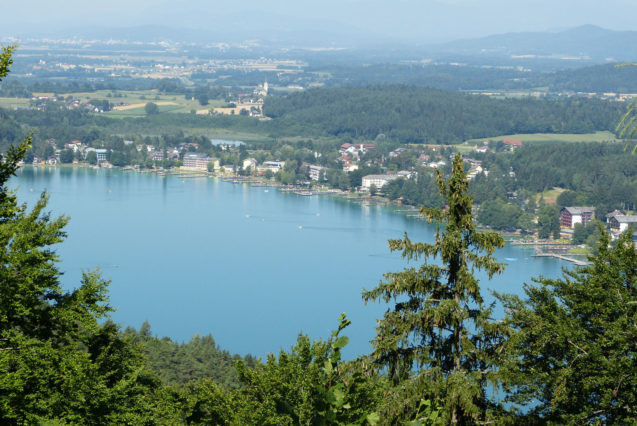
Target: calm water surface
(250, 265)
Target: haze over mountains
(346, 23)
(537, 35)
(587, 41)
(584, 45)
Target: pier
(563, 257)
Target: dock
(563, 257)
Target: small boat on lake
(304, 193)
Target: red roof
(513, 142)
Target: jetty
(563, 257)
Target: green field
(550, 195)
(141, 112)
(463, 148)
(132, 97)
(11, 103)
(551, 137)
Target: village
(360, 171)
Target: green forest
(596, 78)
(599, 175)
(412, 114)
(405, 114)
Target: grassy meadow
(11, 103)
(551, 137)
(130, 103)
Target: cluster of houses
(511, 144)
(39, 102)
(350, 155)
(475, 168)
(617, 221)
(429, 161)
(434, 161)
(79, 150)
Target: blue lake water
(252, 266)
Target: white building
(436, 164)
(621, 222)
(350, 167)
(75, 146)
(315, 172)
(215, 163)
(570, 216)
(406, 174)
(100, 153)
(273, 166)
(377, 180)
(249, 162)
(196, 161)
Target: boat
(304, 193)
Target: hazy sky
(425, 20)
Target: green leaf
(337, 396)
(340, 343)
(372, 418)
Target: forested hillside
(406, 114)
(603, 175)
(596, 78)
(416, 115)
(179, 363)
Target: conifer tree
(57, 363)
(438, 332)
(627, 126)
(573, 354)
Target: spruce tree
(438, 333)
(627, 126)
(573, 353)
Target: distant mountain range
(584, 45)
(584, 42)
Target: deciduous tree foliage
(439, 332)
(309, 385)
(56, 361)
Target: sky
(413, 20)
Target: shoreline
(406, 210)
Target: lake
(250, 265)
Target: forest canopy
(422, 115)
